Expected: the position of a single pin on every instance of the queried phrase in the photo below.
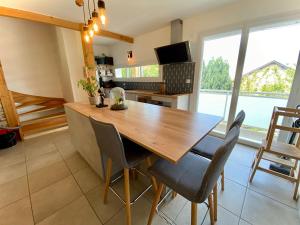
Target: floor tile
(243, 222)
(224, 218)
(17, 213)
(48, 200)
(38, 148)
(48, 175)
(237, 173)
(42, 161)
(12, 172)
(184, 217)
(261, 210)
(12, 155)
(139, 212)
(104, 211)
(174, 206)
(13, 191)
(79, 212)
(242, 155)
(137, 186)
(232, 198)
(87, 179)
(65, 146)
(274, 187)
(76, 162)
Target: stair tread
(43, 118)
(30, 129)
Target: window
(263, 78)
(220, 55)
(138, 71)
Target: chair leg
(222, 180)
(194, 213)
(154, 183)
(215, 195)
(127, 195)
(297, 186)
(155, 202)
(174, 194)
(107, 179)
(133, 174)
(260, 154)
(253, 163)
(211, 209)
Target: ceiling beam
(120, 37)
(21, 14)
(36, 17)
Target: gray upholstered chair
(193, 176)
(123, 152)
(208, 146)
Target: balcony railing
(257, 105)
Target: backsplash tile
(176, 75)
(153, 86)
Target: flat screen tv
(175, 53)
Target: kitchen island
(168, 133)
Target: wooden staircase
(37, 113)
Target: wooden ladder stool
(279, 152)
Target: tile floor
(44, 181)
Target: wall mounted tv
(175, 53)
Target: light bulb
(96, 24)
(95, 27)
(91, 32)
(103, 19)
(87, 38)
(101, 7)
(90, 27)
(85, 34)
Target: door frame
(277, 20)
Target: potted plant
(90, 85)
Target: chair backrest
(217, 163)
(239, 119)
(109, 141)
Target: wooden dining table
(168, 133)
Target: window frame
(141, 78)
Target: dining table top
(167, 132)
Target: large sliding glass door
(218, 72)
(269, 70)
(263, 78)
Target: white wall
(235, 14)
(101, 49)
(29, 56)
(72, 63)
(143, 48)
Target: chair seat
(208, 146)
(185, 177)
(134, 153)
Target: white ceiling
(130, 17)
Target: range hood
(178, 51)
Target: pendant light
(86, 34)
(101, 7)
(85, 28)
(90, 22)
(96, 20)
